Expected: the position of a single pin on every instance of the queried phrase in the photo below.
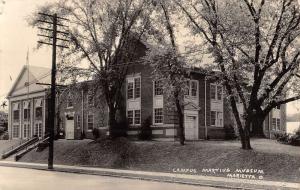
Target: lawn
(6, 144)
(277, 161)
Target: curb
(217, 182)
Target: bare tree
(255, 49)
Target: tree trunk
(257, 126)
(112, 122)
(181, 121)
(246, 140)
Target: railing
(29, 148)
(14, 146)
(14, 149)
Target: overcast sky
(16, 37)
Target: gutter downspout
(205, 124)
(269, 125)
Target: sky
(17, 37)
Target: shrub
(229, 132)
(288, 139)
(96, 133)
(145, 133)
(120, 129)
(4, 136)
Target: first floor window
(134, 117)
(213, 118)
(274, 123)
(130, 117)
(278, 124)
(26, 130)
(216, 118)
(158, 115)
(78, 121)
(137, 117)
(38, 129)
(15, 131)
(69, 101)
(90, 122)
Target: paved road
(23, 179)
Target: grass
(279, 162)
(6, 144)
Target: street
(19, 178)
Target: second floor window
(158, 90)
(216, 92)
(90, 99)
(16, 112)
(69, 101)
(134, 88)
(192, 88)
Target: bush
(96, 133)
(145, 133)
(229, 132)
(4, 136)
(120, 129)
(288, 138)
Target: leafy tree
(169, 67)
(255, 50)
(104, 37)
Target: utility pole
(51, 111)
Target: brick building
(206, 114)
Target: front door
(191, 128)
(70, 128)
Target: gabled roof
(36, 75)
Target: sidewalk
(221, 182)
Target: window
(158, 115)
(26, 130)
(137, 117)
(158, 90)
(213, 91)
(278, 107)
(38, 129)
(187, 91)
(216, 118)
(90, 122)
(216, 92)
(278, 124)
(219, 92)
(26, 111)
(134, 117)
(130, 90)
(39, 109)
(16, 115)
(137, 87)
(133, 88)
(16, 112)
(78, 121)
(273, 123)
(69, 101)
(130, 117)
(90, 99)
(212, 118)
(194, 88)
(15, 131)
